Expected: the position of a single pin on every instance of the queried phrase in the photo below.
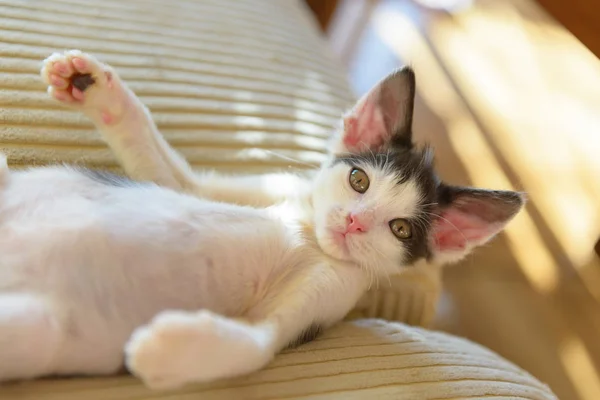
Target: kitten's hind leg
(30, 336)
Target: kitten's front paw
(180, 347)
(79, 80)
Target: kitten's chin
(333, 244)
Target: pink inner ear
(457, 230)
(365, 127)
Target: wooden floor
(509, 99)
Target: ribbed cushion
(368, 359)
(245, 86)
(225, 80)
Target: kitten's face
(374, 209)
(380, 205)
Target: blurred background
(509, 95)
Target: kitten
(168, 275)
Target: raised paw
(79, 80)
(180, 347)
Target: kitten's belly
(110, 263)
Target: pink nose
(355, 225)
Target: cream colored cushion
(367, 359)
(246, 86)
(224, 79)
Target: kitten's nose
(355, 224)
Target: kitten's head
(379, 202)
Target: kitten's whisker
(284, 157)
(367, 146)
(372, 154)
(372, 272)
(385, 272)
(369, 271)
(421, 224)
(377, 272)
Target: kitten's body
(107, 259)
(209, 289)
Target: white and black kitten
(182, 285)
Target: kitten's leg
(127, 126)
(184, 347)
(250, 190)
(79, 81)
(30, 336)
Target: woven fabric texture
(365, 359)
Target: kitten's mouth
(339, 239)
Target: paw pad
(70, 74)
(82, 81)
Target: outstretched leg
(79, 81)
(184, 347)
(30, 336)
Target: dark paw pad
(82, 81)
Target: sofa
(239, 86)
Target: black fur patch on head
(408, 164)
(402, 131)
(107, 178)
(307, 335)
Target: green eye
(359, 180)
(401, 228)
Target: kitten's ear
(381, 117)
(469, 218)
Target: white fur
(95, 262)
(88, 269)
(186, 287)
(333, 199)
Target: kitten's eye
(359, 180)
(401, 228)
